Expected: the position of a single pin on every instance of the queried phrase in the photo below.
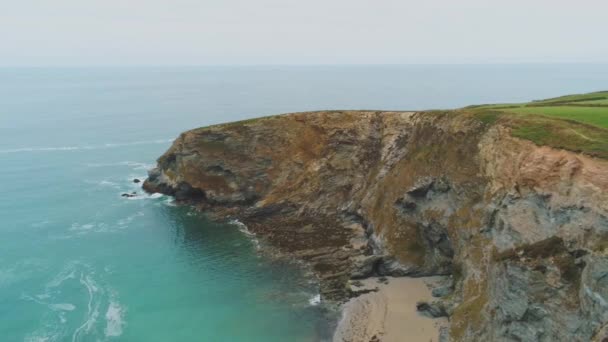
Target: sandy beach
(389, 314)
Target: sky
(243, 32)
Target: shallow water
(81, 263)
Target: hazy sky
(152, 32)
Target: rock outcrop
(522, 229)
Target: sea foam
(114, 319)
(315, 300)
(62, 307)
(92, 307)
(243, 229)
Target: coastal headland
(509, 203)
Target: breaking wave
(243, 229)
(315, 300)
(114, 318)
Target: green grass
(600, 102)
(597, 116)
(496, 106)
(559, 133)
(574, 98)
(577, 123)
(488, 117)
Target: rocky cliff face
(522, 229)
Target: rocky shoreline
(521, 229)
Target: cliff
(522, 229)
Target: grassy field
(597, 116)
(574, 122)
(574, 98)
(601, 102)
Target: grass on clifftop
(577, 123)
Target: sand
(389, 315)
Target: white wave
(140, 197)
(85, 147)
(55, 307)
(125, 221)
(315, 300)
(43, 336)
(142, 142)
(49, 330)
(28, 297)
(54, 323)
(88, 228)
(114, 319)
(62, 307)
(42, 149)
(107, 183)
(68, 272)
(169, 202)
(82, 227)
(92, 307)
(132, 164)
(40, 224)
(241, 227)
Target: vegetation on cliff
(498, 199)
(577, 123)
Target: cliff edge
(522, 229)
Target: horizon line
(294, 64)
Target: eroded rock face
(522, 229)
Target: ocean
(79, 262)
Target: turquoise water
(79, 262)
